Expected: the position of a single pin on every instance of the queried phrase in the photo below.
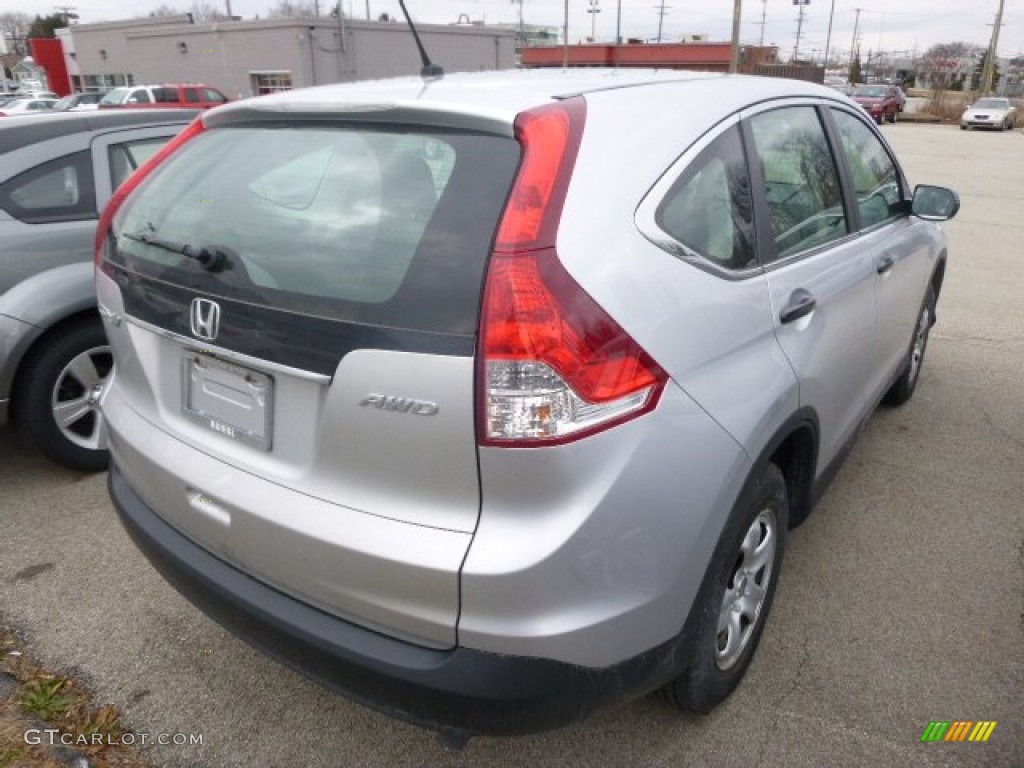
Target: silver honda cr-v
(489, 400)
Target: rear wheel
(57, 403)
(903, 388)
(735, 597)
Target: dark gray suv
(57, 173)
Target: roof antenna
(430, 70)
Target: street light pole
(799, 27)
(593, 10)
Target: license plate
(229, 399)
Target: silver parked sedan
(490, 400)
(990, 112)
(56, 174)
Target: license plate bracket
(229, 399)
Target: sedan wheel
(57, 398)
(76, 395)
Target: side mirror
(934, 203)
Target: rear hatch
(302, 299)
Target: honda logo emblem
(205, 319)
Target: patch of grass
(11, 756)
(45, 699)
(42, 697)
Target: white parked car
(27, 107)
(989, 113)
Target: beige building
(247, 58)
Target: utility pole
(828, 39)
(618, 26)
(853, 44)
(799, 26)
(734, 59)
(594, 8)
(764, 16)
(661, 11)
(990, 60)
(565, 36)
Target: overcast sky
(894, 26)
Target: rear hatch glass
(381, 227)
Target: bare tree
(203, 10)
(14, 28)
(946, 64)
(289, 9)
(164, 9)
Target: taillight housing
(553, 365)
(121, 194)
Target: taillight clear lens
(556, 366)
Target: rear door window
(383, 226)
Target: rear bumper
(459, 689)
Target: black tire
(46, 382)
(892, 118)
(712, 671)
(963, 127)
(903, 388)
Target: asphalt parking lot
(901, 599)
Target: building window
(106, 82)
(271, 82)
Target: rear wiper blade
(211, 258)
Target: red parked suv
(186, 96)
(882, 102)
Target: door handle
(800, 303)
(884, 264)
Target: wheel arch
(939, 274)
(793, 448)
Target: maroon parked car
(882, 102)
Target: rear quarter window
(60, 190)
(386, 226)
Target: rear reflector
(554, 366)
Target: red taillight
(550, 137)
(122, 192)
(554, 366)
